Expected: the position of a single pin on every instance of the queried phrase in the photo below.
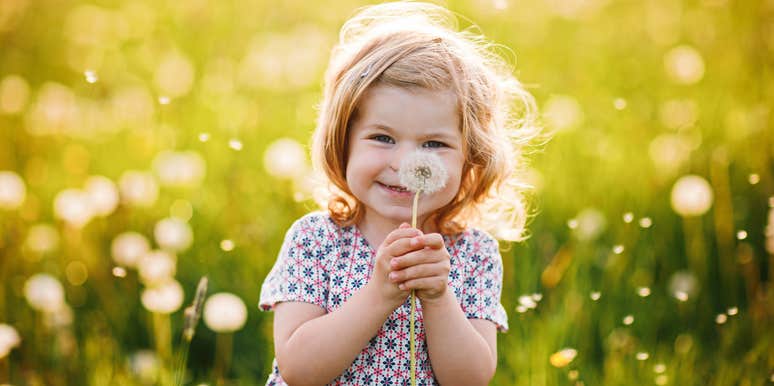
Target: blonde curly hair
(418, 45)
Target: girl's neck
(376, 231)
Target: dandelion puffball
(285, 158)
(164, 298)
(44, 292)
(9, 339)
(42, 238)
(173, 234)
(156, 267)
(422, 171)
(138, 188)
(128, 248)
(74, 206)
(691, 196)
(225, 312)
(103, 193)
(183, 169)
(12, 190)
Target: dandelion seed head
(138, 188)
(681, 296)
(628, 217)
(646, 222)
(595, 295)
(235, 144)
(119, 272)
(572, 375)
(628, 320)
(572, 223)
(741, 235)
(44, 293)
(145, 366)
(204, 137)
(521, 309)
(42, 238)
(642, 356)
(691, 196)
(732, 311)
(173, 234)
(643, 292)
(164, 298)
(422, 171)
(157, 267)
(285, 158)
(12, 190)
(9, 339)
(619, 103)
(90, 76)
(227, 245)
(721, 318)
(563, 357)
(662, 379)
(618, 249)
(225, 312)
(128, 247)
(103, 193)
(527, 301)
(659, 368)
(74, 207)
(753, 179)
(537, 297)
(164, 100)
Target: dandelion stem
(223, 343)
(412, 333)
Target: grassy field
(144, 145)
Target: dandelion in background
(628, 217)
(157, 267)
(642, 356)
(590, 224)
(595, 295)
(754, 179)
(145, 366)
(235, 144)
(224, 313)
(643, 292)
(732, 311)
(138, 188)
(128, 248)
(119, 272)
(227, 245)
(74, 207)
(618, 249)
(103, 195)
(645, 222)
(204, 137)
(9, 339)
(721, 318)
(563, 357)
(691, 196)
(683, 285)
(173, 234)
(90, 76)
(12, 190)
(285, 158)
(628, 320)
(161, 300)
(180, 168)
(42, 238)
(44, 293)
(420, 172)
(164, 100)
(741, 235)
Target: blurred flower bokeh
(144, 145)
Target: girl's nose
(400, 154)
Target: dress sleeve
(299, 274)
(483, 284)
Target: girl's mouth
(394, 188)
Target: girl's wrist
(443, 302)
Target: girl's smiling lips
(395, 190)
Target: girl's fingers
(419, 271)
(400, 233)
(423, 283)
(419, 256)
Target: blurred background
(145, 144)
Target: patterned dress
(324, 264)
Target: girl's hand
(425, 269)
(398, 243)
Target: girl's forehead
(415, 109)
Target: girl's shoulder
(318, 223)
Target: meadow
(145, 145)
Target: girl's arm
(312, 347)
(462, 351)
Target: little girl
(401, 80)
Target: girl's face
(391, 123)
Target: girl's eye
(383, 138)
(433, 144)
